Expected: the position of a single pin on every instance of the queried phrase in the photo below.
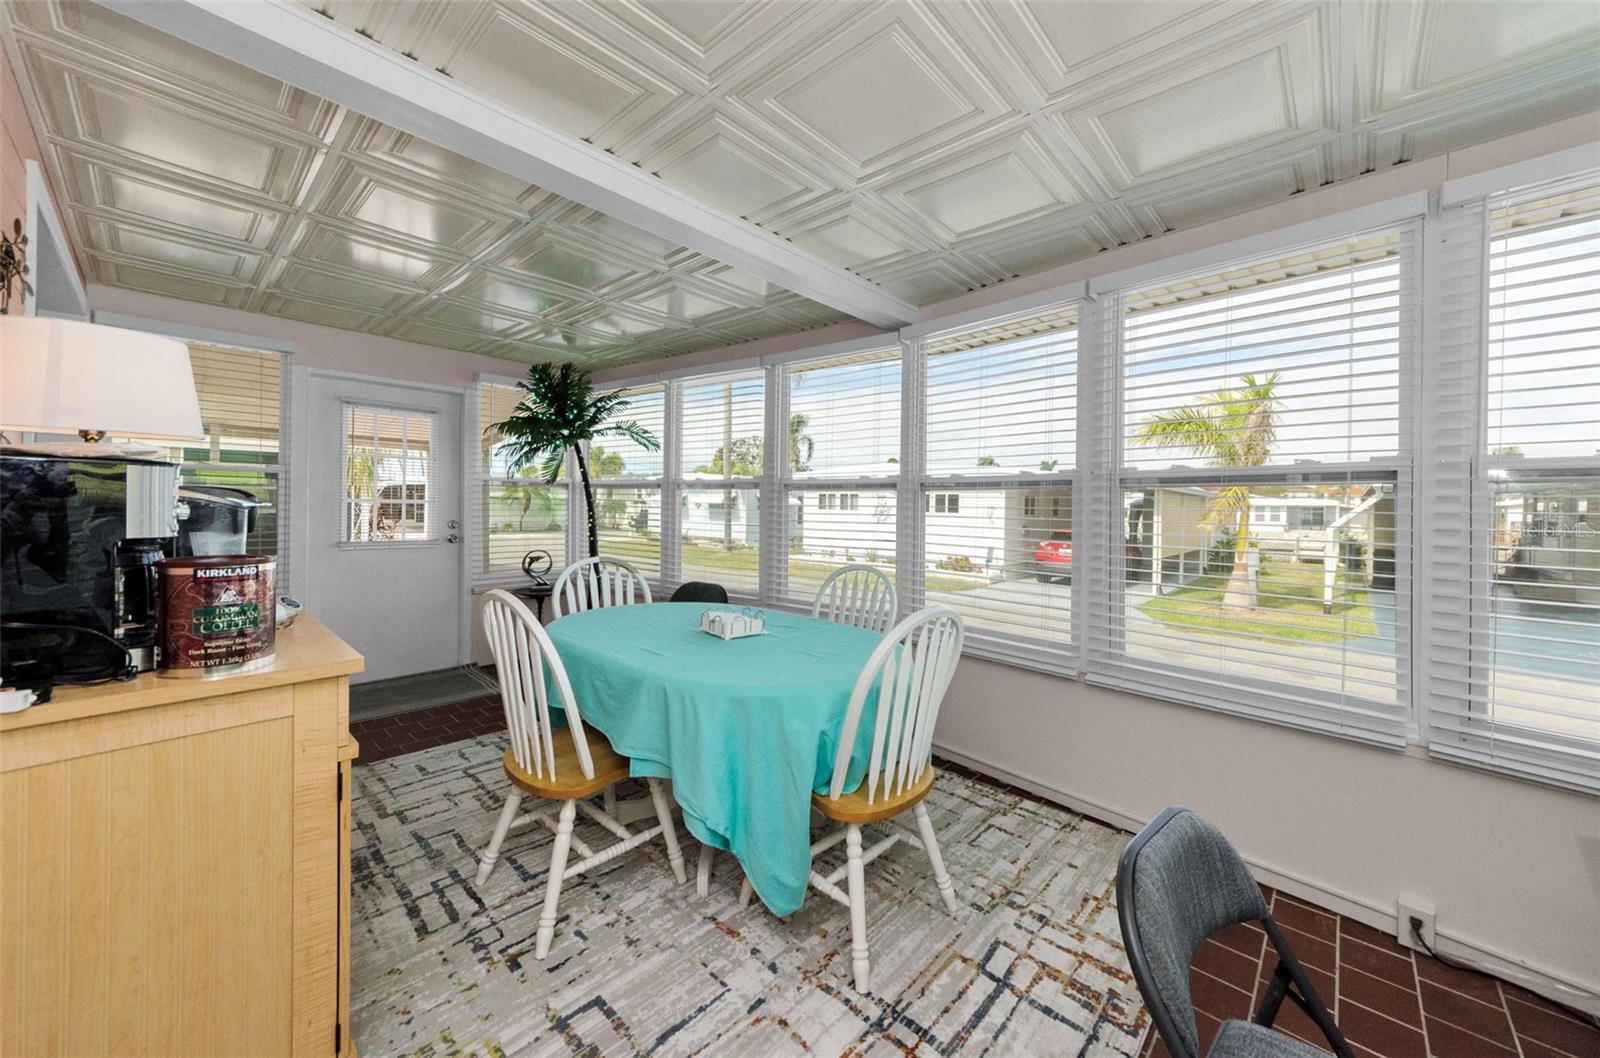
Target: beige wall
(1511, 868)
(17, 145)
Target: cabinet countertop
(306, 650)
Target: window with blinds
(1260, 558)
(1516, 675)
(721, 448)
(842, 460)
(387, 460)
(241, 399)
(627, 480)
(844, 417)
(616, 457)
(517, 512)
(1000, 459)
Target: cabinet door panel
(149, 900)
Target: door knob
(452, 539)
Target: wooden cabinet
(174, 863)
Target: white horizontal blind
(1544, 316)
(1515, 661)
(615, 457)
(386, 455)
(515, 513)
(241, 395)
(1261, 504)
(722, 445)
(627, 481)
(841, 462)
(996, 495)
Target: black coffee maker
(135, 595)
(79, 539)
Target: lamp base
(129, 450)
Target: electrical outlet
(1414, 911)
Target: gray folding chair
(1178, 882)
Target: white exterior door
(384, 507)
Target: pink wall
(313, 345)
(1511, 868)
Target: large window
(627, 481)
(240, 393)
(1258, 522)
(517, 512)
(721, 459)
(1001, 450)
(1527, 624)
(1283, 497)
(841, 462)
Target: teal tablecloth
(746, 729)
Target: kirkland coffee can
(218, 614)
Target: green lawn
(745, 561)
(1289, 607)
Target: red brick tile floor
(1390, 1002)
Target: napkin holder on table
(732, 624)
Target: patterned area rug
(1032, 965)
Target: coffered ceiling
(930, 148)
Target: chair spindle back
(523, 653)
(858, 595)
(911, 668)
(596, 583)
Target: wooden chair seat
(610, 767)
(853, 807)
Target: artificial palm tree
(1230, 428)
(560, 414)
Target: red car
(1052, 559)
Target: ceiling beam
(295, 44)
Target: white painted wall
(1511, 868)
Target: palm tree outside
(560, 414)
(1229, 428)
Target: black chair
(1178, 882)
(700, 591)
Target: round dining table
(746, 728)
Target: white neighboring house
(714, 514)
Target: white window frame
(478, 482)
(1058, 657)
(662, 483)
(1458, 497)
(431, 535)
(775, 556)
(1099, 476)
(1271, 700)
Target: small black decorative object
(13, 266)
(536, 564)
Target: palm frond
(633, 431)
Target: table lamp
(64, 376)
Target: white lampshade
(62, 376)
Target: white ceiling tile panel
(930, 147)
